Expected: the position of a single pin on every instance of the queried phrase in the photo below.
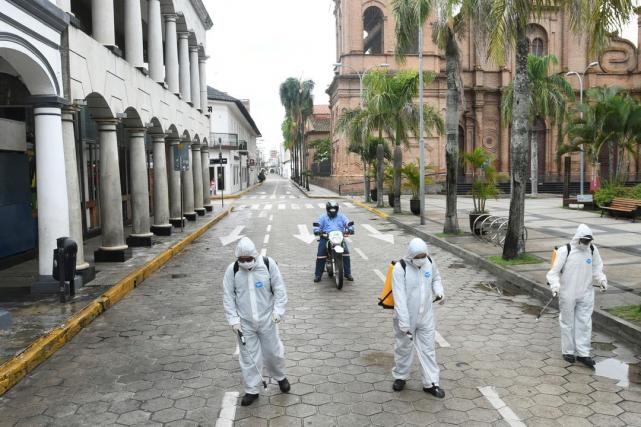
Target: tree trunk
(611, 175)
(534, 164)
(366, 181)
(514, 244)
(380, 156)
(398, 162)
(451, 124)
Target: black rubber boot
(398, 385)
(317, 279)
(248, 399)
(435, 391)
(284, 385)
(569, 358)
(350, 278)
(587, 361)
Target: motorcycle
(335, 241)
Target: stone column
(83, 269)
(133, 33)
(194, 76)
(202, 65)
(154, 42)
(171, 54)
(140, 236)
(204, 158)
(183, 64)
(198, 179)
(53, 203)
(188, 188)
(174, 184)
(161, 226)
(102, 19)
(113, 248)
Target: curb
(302, 190)
(602, 319)
(16, 368)
(236, 195)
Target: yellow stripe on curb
(236, 195)
(16, 368)
(371, 209)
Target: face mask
(247, 265)
(419, 262)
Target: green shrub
(608, 191)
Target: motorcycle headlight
(336, 237)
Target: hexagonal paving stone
(606, 420)
(285, 421)
(284, 399)
(133, 417)
(606, 408)
(459, 404)
(168, 415)
(300, 410)
(267, 411)
(189, 403)
(386, 419)
(353, 420)
(366, 408)
(157, 404)
(319, 420)
(317, 399)
(124, 406)
(333, 409)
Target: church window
(373, 31)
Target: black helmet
(332, 209)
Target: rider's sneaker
(350, 278)
(317, 279)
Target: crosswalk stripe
(281, 197)
(309, 206)
(295, 206)
(281, 206)
(268, 207)
(321, 205)
(262, 214)
(358, 251)
(380, 275)
(254, 207)
(272, 196)
(440, 340)
(349, 205)
(263, 197)
(292, 197)
(253, 197)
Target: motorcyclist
(332, 220)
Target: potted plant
(484, 178)
(411, 181)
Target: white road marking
(295, 206)
(233, 236)
(266, 239)
(255, 207)
(289, 192)
(253, 197)
(272, 197)
(304, 235)
(271, 217)
(227, 410)
(380, 275)
(358, 251)
(441, 341)
(321, 205)
(269, 228)
(237, 351)
(309, 206)
(508, 414)
(348, 204)
(263, 252)
(292, 197)
(241, 207)
(268, 207)
(282, 206)
(262, 214)
(281, 197)
(263, 197)
(389, 238)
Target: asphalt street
(166, 356)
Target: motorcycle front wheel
(338, 272)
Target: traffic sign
(217, 161)
(181, 157)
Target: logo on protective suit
(588, 261)
(259, 285)
(427, 274)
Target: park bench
(620, 205)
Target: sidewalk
(317, 192)
(548, 225)
(34, 316)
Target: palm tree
(296, 96)
(353, 124)
(389, 100)
(548, 98)
(505, 30)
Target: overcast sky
(254, 46)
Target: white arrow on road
(304, 235)
(233, 236)
(389, 238)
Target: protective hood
(582, 231)
(246, 248)
(416, 246)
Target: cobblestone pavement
(165, 355)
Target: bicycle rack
(493, 229)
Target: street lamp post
(220, 165)
(580, 76)
(361, 102)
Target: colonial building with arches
(365, 39)
(94, 96)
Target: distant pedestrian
(577, 265)
(416, 284)
(254, 300)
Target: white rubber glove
(440, 298)
(236, 327)
(276, 317)
(555, 288)
(603, 284)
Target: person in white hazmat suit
(254, 300)
(415, 286)
(571, 277)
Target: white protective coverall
(251, 298)
(576, 294)
(414, 289)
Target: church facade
(365, 41)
